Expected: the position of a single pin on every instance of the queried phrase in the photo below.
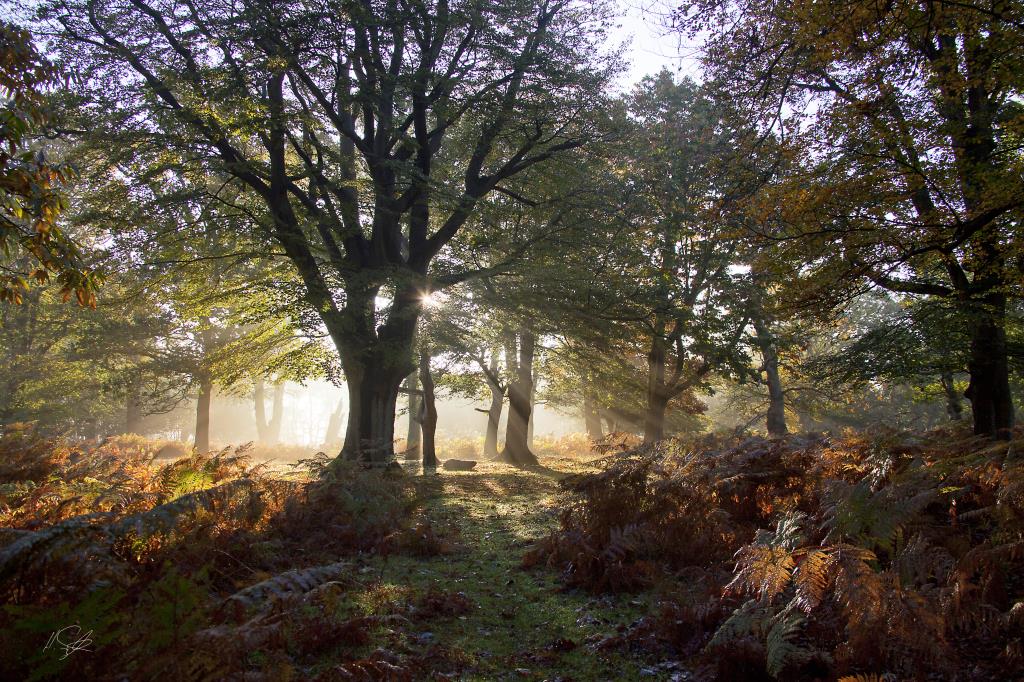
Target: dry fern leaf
(297, 581)
(812, 579)
(763, 570)
(41, 546)
(165, 517)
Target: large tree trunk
(654, 417)
(979, 172)
(657, 398)
(333, 433)
(202, 441)
(372, 399)
(375, 364)
(517, 448)
(428, 413)
(412, 434)
(989, 389)
(776, 417)
(494, 411)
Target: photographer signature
(70, 639)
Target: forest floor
(899, 553)
(520, 624)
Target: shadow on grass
(521, 620)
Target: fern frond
(812, 579)
(763, 570)
(34, 549)
(748, 619)
(859, 589)
(165, 517)
(781, 649)
(297, 581)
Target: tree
(918, 342)
(413, 432)
(906, 119)
(428, 410)
(520, 350)
(269, 430)
(33, 245)
(660, 274)
(368, 132)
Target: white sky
(652, 46)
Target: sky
(652, 47)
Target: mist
(306, 412)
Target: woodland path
(522, 625)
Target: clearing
(521, 624)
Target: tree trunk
(954, 408)
(807, 422)
(258, 396)
(412, 437)
(370, 431)
(133, 407)
(333, 434)
(591, 417)
(375, 362)
(428, 413)
(776, 417)
(517, 448)
(977, 165)
(202, 441)
(657, 399)
(276, 416)
(533, 413)
(494, 411)
(654, 418)
(989, 389)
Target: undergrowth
(206, 567)
(898, 556)
(890, 557)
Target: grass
(520, 625)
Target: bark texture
(412, 434)
(591, 415)
(428, 418)
(495, 408)
(202, 439)
(989, 388)
(517, 447)
(776, 417)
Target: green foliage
(94, 623)
(173, 608)
(33, 245)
